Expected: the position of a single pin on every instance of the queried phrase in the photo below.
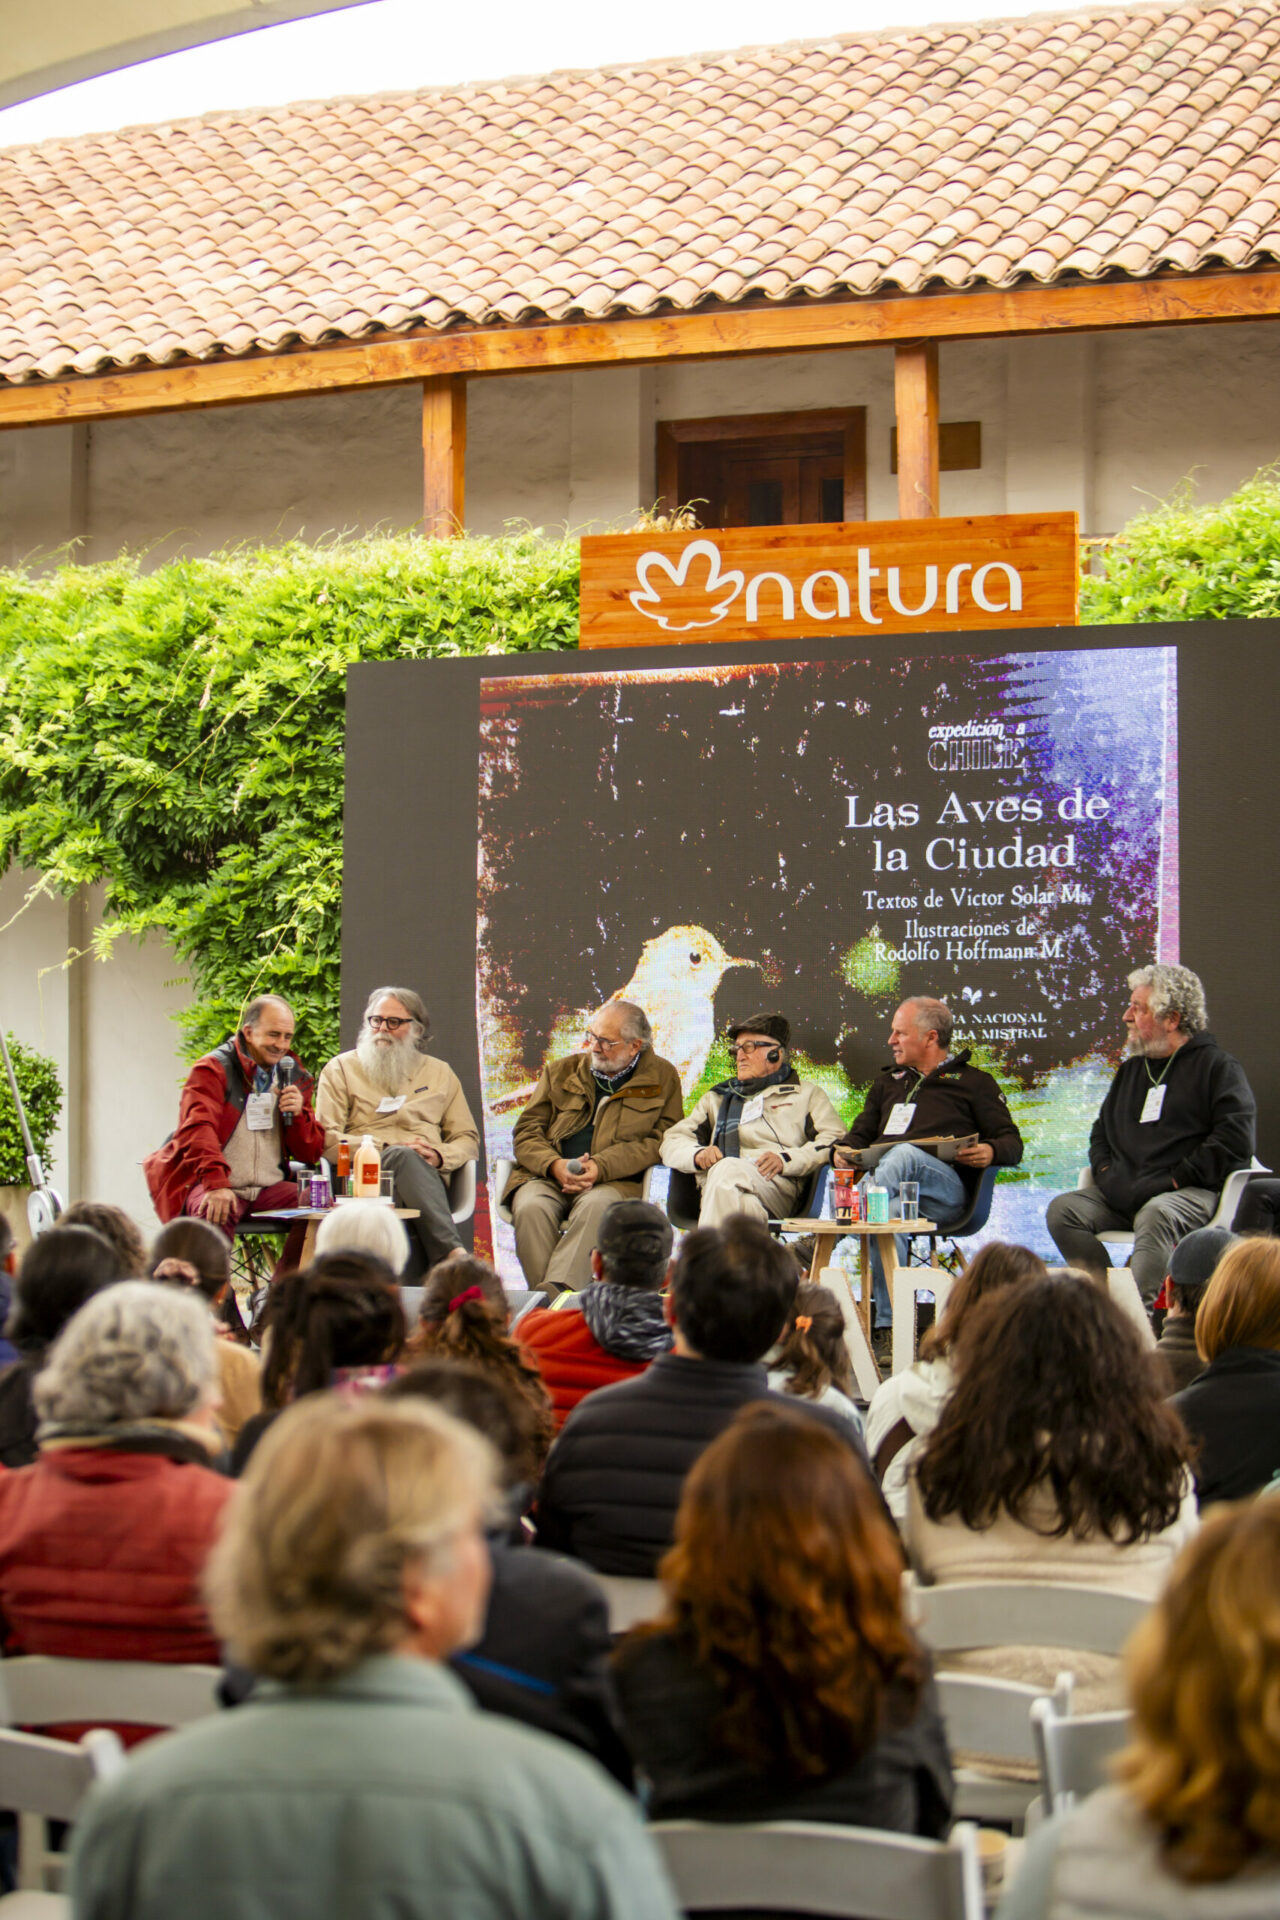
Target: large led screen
(823, 838)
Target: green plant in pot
(41, 1091)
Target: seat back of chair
(51, 1777)
(993, 1717)
(462, 1192)
(1073, 1750)
(37, 1690)
(968, 1615)
(630, 1600)
(683, 1200)
(796, 1866)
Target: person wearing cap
(1191, 1267)
(613, 1328)
(754, 1140)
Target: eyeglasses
(392, 1022)
(605, 1046)
(751, 1046)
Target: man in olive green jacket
(591, 1131)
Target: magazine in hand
(943, 1146)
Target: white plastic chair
(37, 1690)
(462, 1192)
(992, 1718)
(1224, 1213)
(798, 1866)
(1073, 1751)
(966, 1616)
(630, 1600)
(41, 1780)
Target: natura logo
(703, 601)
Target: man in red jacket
(245, 1112)
(613, 1328)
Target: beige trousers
(556, 1232)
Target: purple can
(321, 1192)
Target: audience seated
(1055, 1457)
(543, 1657)
(1232, 1410)
(365, 1229)
(905, 1407)
(463, 1316)
(337, 1323)
(782, 1682)
(116, 1228)
(1191, 1830)
(352, 1567)
(614, 1479)
(59, 1272)
(194, 1253)
(103, 1541)
(613, 1328)
(1191, 1267)
(811, 1361)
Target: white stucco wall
(1103, 423)
(108, 1027)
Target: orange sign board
(868, 577)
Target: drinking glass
(909, 1196)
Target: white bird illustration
(675, 981)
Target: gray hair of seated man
(932, 1016)
(135, 1352)
(1173, 990)
(414, 1005)
(635, 1021)
(365, 1227)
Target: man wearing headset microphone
(754, 1140)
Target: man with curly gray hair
(1178, 1118)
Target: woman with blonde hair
(1232, 1409)
(1192, 1829)
(352, 1566)
(783, 1682)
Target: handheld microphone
(575, 1166)
(286, 1071)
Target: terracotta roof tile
(1131, 140)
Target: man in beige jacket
(413, 1105)
(755, 1141)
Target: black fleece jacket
(1205, 1129)
(954, 1099)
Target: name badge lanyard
(1153, 1105)
(903, 1112)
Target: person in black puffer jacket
(615, 1475)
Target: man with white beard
(413, 1105)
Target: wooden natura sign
(784, 583)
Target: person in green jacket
(361, 1779)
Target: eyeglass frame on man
(392, 1022)
(605, 1046)
(750, 1046)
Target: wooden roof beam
(1171, 300)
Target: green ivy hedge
(178, 734)
(41, 1091)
